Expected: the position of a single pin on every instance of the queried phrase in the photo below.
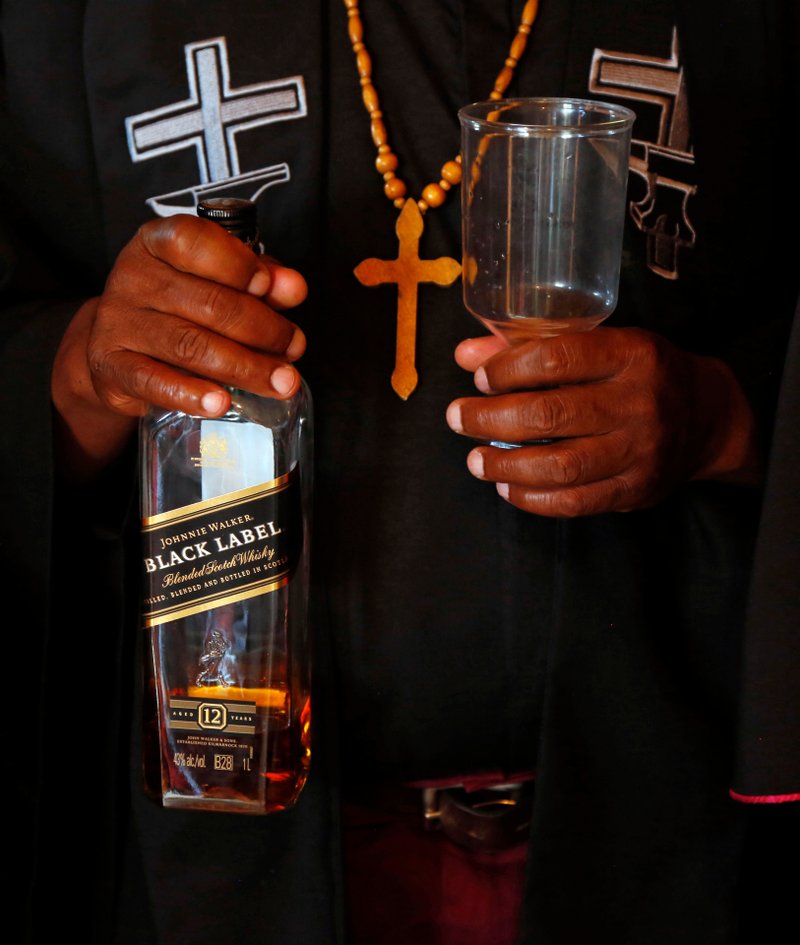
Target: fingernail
(296, 346)
(213, 403)
(482, 381)
(282, 379)
(260, 283)
(502, 488)
(475, 463)
(453, 417)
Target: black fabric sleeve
(768, 759)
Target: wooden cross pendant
(408, 270)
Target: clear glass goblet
(543, 211)
(543, 204)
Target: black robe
(453, 633)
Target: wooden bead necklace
(408, 270)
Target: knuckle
(648, 354)
(566, 467)
(96, 362)
(573, 503)
(213, 300)
(190, 345)
(114, 382)
(543, 413)
(557, 359)
(152, 385)
(100, 362)
(627, 495)
(185, 235)
(114, 307)
(245, 375)
(649, 410)
(114, 284)
(178, 234)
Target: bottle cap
(234, 214)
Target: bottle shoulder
(246, 407)
(269, 411)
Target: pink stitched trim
(763, 798)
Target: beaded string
(386, 163)
(409, 269)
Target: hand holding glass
(543, 210)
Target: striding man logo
(663, 161)
(209, 121)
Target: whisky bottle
(226, 529)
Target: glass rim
(612, 119)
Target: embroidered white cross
(213, 114)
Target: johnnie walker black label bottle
(226, 531)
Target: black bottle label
(221, 551)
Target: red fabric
(405, 884)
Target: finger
(128, 381)
(116, 387)
(288, 289)
(194, 350)
(472, 352)
(217, 357)
(562, 464)
(563, 359)
(194, 301)
(232, 314)
(578, 410)
(203, 248)
(608, 495)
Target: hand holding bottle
(187, 311)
